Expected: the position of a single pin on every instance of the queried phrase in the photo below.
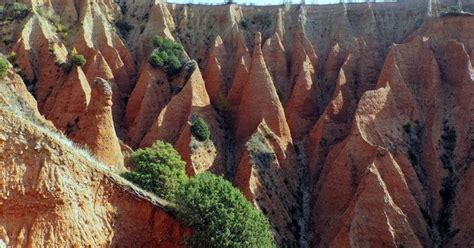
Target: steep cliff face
(55, 194)
(346, 124)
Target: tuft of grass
(3, 68)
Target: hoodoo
(125, 123)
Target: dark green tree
(200, 129)
(220, 215)
(168, 55)
(158, 169)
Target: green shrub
(168, 55)
(157, 41)
(12, 57)
(244, 23)
(158, 169)
(173, 64)
(220, 215)
(78, 59)
(3, 68)
(200, 129)
(156, 60)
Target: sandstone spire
(275, 59)
(260, 101)
(173, 126)
(68, 101)
(95, 129)
(151, 93)
(213, 75)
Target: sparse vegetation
(200, 129)
(158, 169)
(168, 55)
(77, 59)
(223, 104)
(54, 19)
(451, 11)
(14, 11)
(20, 11)
(220, 215)
(259, 150)
(413, 137)
(12, 57)
(448, 143)
(3, 68)
(123, 27)
(244, 23)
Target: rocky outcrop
(377, 98)
(98, 67)
(173, 125)
(95, 127)
(68, 101)
(260, 101)
(51, 188)
(275, 60)
(213, 76)
(408, 124)
(269, 183)
(151, 93)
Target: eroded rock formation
(346, 124)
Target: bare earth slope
(53, 194)
(347, 125)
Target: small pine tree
(168, 55)
(200, 129)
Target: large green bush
(158, 169)
(220, 215)
(200, 129)
(3, 68)
(168, 55)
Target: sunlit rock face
(345, 124)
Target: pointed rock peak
(69, 100)
(96, 127)
(98, 67)
(237, 40)
(218, 41)
(260, 101)
(239, 81)
(218, 49)
(258, 45)
(275, 41)
(102, 89)
(279, 27)
(215, 84)
(198, 89)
